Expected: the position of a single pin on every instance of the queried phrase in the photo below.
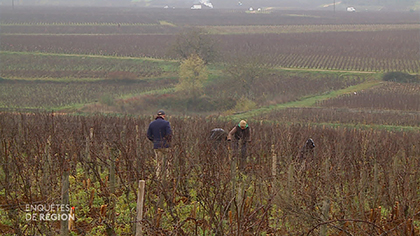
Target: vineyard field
(370, 178)
(395, 50)
(55, 95)
(343, 116)
(38, 66)
(388, 96)
(80, 86)
(184, 17)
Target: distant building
(196, 7)
(202, 4)
(351, 9)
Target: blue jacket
(160, 133)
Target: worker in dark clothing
(218, 137)
(241, 134)
(160, 133)
(218, 134)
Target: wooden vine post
(112, 183)
(273, 167)
(325, 217)
(65, 184)
(140, 202)
(138, 151)
(232, 169)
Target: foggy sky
(304, 4)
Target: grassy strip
(281, 29)
(47, 79)
(71, 107)
(157, 92)
(393, 128)
(390, 128)
(76, 80)
(175, 62)
(305, 101)
(82, 24)
(77, 106)
(53, 63)
(77, 34)
(329, 71)
(239, 29)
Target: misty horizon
(222, 4)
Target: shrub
(245, 104)
(107, 100)
(400, 77)
(192, 74)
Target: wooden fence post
(112, 183)
(138, 157)
(324, 217)
(46, 167)
(290, 182)
(273, 167)
(140, 202)
(232, 169)
(274, 164)
(112, 172)
(88, 142)
(376, 184)
(64, 230)
(239, 201)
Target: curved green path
(308, 101)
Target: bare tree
(194, 41)
(246, 71)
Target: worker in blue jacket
(160, 133)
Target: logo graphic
(51, 212)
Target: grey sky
(217, 4)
